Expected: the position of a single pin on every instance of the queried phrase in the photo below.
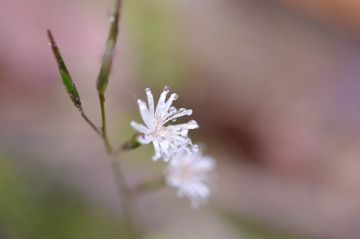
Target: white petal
(206, 164)
(157, 154)
(139, 127)
(166, 152)
(202, 191)
(161, 103)
(181, 112)
(151, 103)
(145, 139)
(169, 101)
(145, 114)
(178, 129)
(190, 175)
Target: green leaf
(65, 75)
(103, 78)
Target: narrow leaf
(65, 75)
(103, 77)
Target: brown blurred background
(274, 86)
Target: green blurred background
(274, 86)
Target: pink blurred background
(274, 86)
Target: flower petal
(139, 127)
(161, 103)
(206, 164)
(151, 103)
(190, 175)
(169, 102)
(145, 114)
(181, 112)
(145, 139)
(157, 154)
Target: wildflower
(190, 174)
(167, 140)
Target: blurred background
(274, 86)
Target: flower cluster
(190, 174)
(187, 169)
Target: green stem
(126, 196)
(123, 190)
(97, 129)
(101, 85)
(108, 146)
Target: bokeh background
(274, 86)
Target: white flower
(190, 174)
(167, 140)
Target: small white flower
(190, 174)
(167, 140)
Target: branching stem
(97, 129)
(123, 190)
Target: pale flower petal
(139, 127)
(167, 140)
(173, 97)
(151, 103)
(145, 139)
(145, 114)
(157, 154)
(190, 174)
(161, 103)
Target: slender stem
(123, 190)
(97, 129)
(108, 146)
(101, 85)
(126, 196)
